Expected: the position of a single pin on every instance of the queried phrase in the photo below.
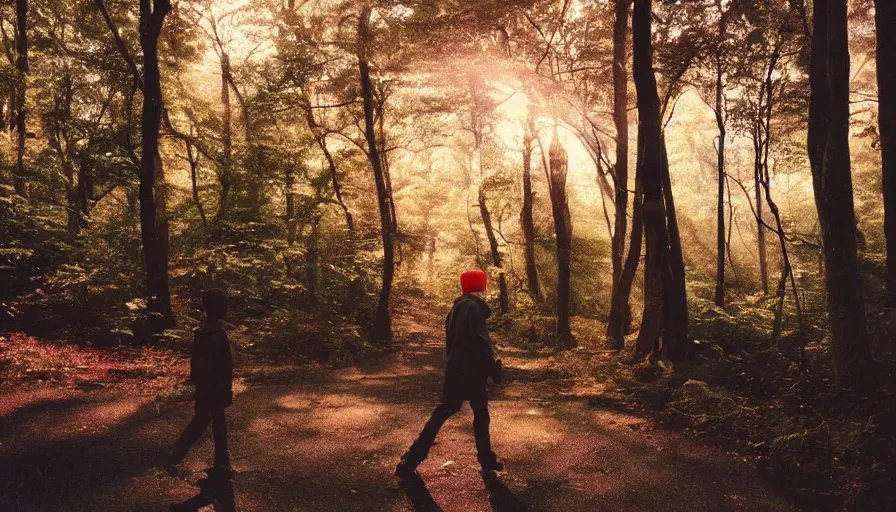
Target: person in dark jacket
(471, 361)
(211, 370)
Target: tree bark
(193, 161)
(885, 13)
(20, 95)
(527, 219)
(153, 217)
(563, 230)
(720, 200)
(620, 310)
(664, 297)
(383, 322)
(227, 139)
(676, 314)
(494, 251)
(620, 119)
(828, 144)
(760, 223)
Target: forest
(686, 211)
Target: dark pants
(448, 406)
(196, 428)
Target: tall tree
(664, 293)
(828, 145)
(153, 215)
(885, 13)
(563, 229)
(720, 109)
(620, 119)
(20, 103)
(383, 322)
(527, 221)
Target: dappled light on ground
(331, 443)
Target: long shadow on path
(419, 496)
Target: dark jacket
(471, 356)
(211, 366)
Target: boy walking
(211, 370)
(471, 361)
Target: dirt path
(330, 440)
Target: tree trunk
(760, 226)
(153, 218)
(885, 13)
(563, 229)
(720, 200)
(620, 310)
(664, 297)
(383, 322)
(226, 173)
(20, 95)
(290, 213)
(85, 189)
(527, 220)
(312, 257)
(620, 119)
(193, 161)
(828, 143)
(494, 251)
(676, 309)
(321, 138)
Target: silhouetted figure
(211, 370)
(471, 361)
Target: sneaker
(405, 471)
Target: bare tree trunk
(720, 200)
(20, 95)
(193, 161)
(885, 13)
(227, 158)
(383, 322)
(494, 251)
(153, 218)
(527, 219)
(760, 225)
(620, 119)
(620, 322)
(664, 296)
(828, 143)
(676, 309)
(563, 229)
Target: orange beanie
(472, 281)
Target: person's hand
(498, 372)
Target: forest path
(329, 441)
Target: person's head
(214, 303)
(473, 281)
